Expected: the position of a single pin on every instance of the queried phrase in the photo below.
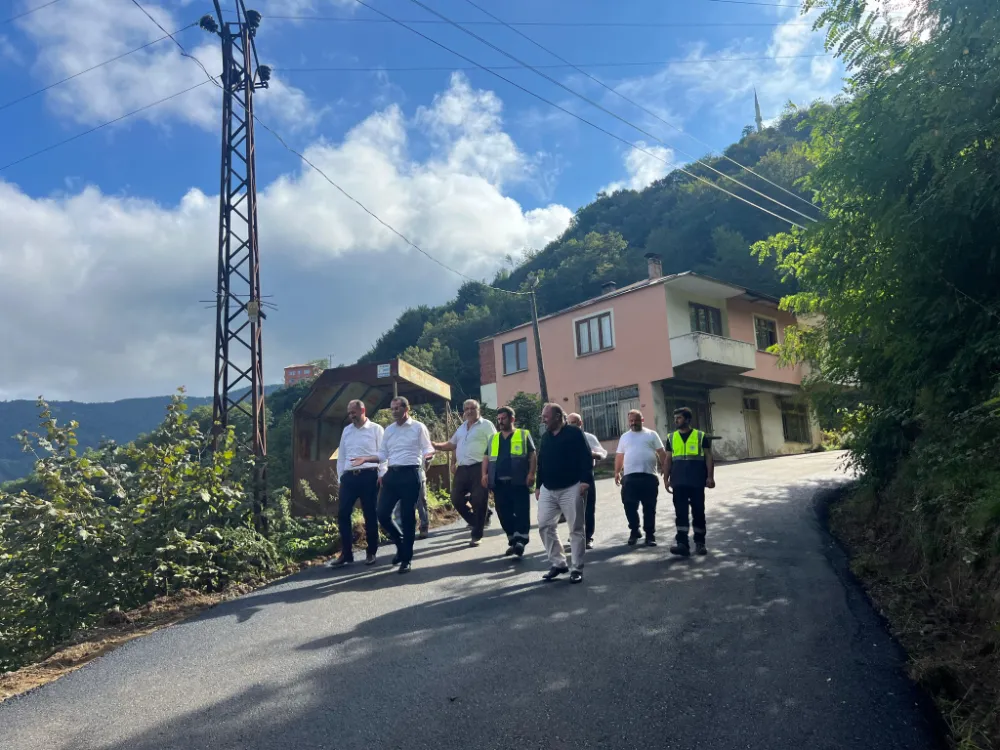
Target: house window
(767, 333)
(606, 413)
(705, 319)
(594, 334)
(795, 423)
(515, 356)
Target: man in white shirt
(469, 444)
(598, 453)
(405, 445)
(640, 456)
(361, 437)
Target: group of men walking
(384, 470)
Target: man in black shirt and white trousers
(565, 470)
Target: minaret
(756, 109)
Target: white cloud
(99, 294)
(645, 165)
(724, 91)
(93, 31)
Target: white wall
(488, 395)
(728, 424)
(679, 314)
(661, 420)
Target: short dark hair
(506, 410)
(684, 412)
(556, 409)
(403, 400)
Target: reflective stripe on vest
(516, 444)
(688, 449)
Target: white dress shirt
(640, 451)
(406, 444)
(595, 446)
(360, 441)
(470, 442)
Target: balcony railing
(716, 353)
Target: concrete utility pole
(542, 387)
(239, 369)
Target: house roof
(644, 283)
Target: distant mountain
(120, 421)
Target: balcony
(706, 355)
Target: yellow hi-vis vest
(516, 444)
(688, 467)
(691, 448)
(518, 458)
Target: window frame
(791, 414)
(694, 307)
(601, 410)
(518, 366)
(585, 320)
(777, 335)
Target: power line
(184, 52)
(375, 216)
(654, 115)
(28, 12)
(20, 99)
(581, 118)
(277, 136)
(564, 24)
(651, 63)
(102, 125)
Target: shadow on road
(755, 646)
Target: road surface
(762, 644)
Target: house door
(755, 432)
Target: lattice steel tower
(239, 375)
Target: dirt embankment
(941, 599)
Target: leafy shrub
(118, 527)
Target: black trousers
(693, 497)
(591, 510)
(355, 485)
(641, 489)
(401, 484)
(513, 504)
(468, 481)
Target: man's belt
(358, 471)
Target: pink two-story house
(663, 342)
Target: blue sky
(109, 241)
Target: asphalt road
(761, 644)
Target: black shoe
(633, 538)
(423, 534)
(700, 549)
(370, 560)
(509, 552)
(404, 568)
(576, 576)
(680, 549)
(650, 542)
(554, 573)
(475, 542)
(590, 544)
(340, 562)
(395, 560)
(519, 549)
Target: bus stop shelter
(320, 417)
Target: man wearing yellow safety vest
(509, 470)
(688, 469)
